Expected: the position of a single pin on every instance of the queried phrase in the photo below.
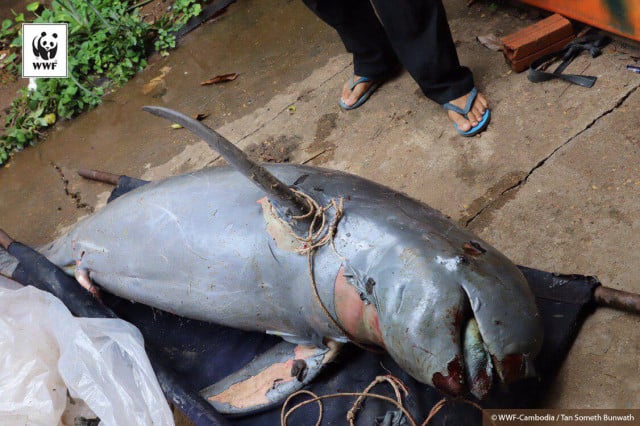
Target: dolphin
(319, 257)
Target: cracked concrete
(578, 213)
(500, 199)
(554, 182)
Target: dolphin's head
(456, 317)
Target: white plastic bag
(45, 351)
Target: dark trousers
(410, 33)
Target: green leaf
(41, 122)
(71, 90)
(32, 7)
(37, 113)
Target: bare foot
(350, 97)
(480, 105)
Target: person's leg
(363, 36)
(419, 33)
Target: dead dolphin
(377, 267)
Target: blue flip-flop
(364, 96)
(482, 125)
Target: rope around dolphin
(320, 236)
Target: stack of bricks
(547, 36)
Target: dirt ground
(554, 183)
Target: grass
(108, 44)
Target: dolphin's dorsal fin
(288, 202)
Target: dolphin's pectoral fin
(270, 378)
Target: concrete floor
(554, 183)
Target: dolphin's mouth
(477, 361)
(479, 370)
(474, 373)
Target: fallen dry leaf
(220, 79)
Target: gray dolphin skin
(398, 274)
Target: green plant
(10, 41)
(105, 45)
(106, 40)
(168, 25)
(28, 122)
(8, 31)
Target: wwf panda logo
(45, 46)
